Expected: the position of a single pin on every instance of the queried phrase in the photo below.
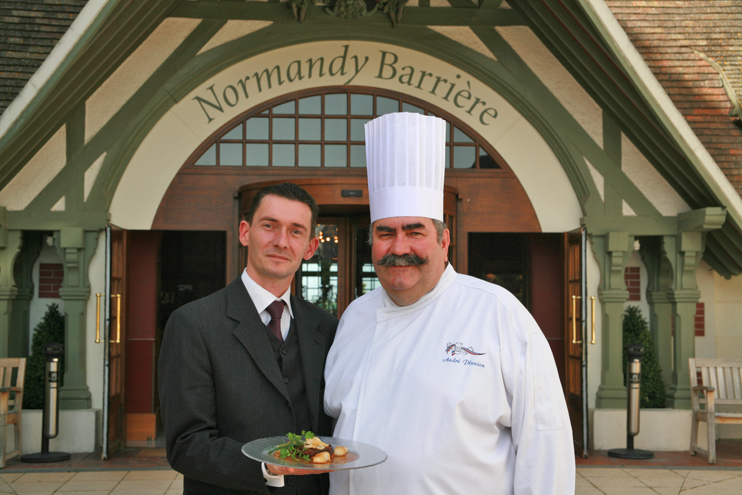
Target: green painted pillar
(654, 253)
(10, 247)
(76, 247)
(20, 317)
(612, 252)
(683, 298)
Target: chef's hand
(292, 471)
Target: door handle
(118, 317)
(574, 319)
(97, 317)
(592, 309)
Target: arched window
(324, 129)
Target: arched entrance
(315, 138)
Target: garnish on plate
(307, 447)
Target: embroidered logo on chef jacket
(458, 349)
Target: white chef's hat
(405, 161)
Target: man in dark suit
(229, 375)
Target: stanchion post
(634, 354)
(50, 422)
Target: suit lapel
(251, 332)
(311, 349)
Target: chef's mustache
(409, 259)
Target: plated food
(308, 447)
(357, 454)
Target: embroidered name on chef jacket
(458, 349)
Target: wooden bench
(12, 375)
(721, 385)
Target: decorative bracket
(350, 9)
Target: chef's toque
(405, 160)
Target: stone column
(76, 247)
(683, 297)
(20, 316)
(612, 252)
(10, 247)
(660, 274)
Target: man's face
(407, 256)
(278, 239)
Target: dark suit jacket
(221, 386)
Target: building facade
(576, 177)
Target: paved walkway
(590, 481)
(145, 472)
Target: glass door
(341, 269)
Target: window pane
(287, 108)
(448, 157)
(460, 137)
(463, 157)
(408, 107)
(256, 155)
(283, 155)
(336, 155)
(357, 132)
(310, 105)
(361, 105)
(208, 158)
(486, 161)
(448, 132)
(257, 128)
(230, 154)
(310, 155)
(283, 129)
(358, 155)
(336, 130)
(336, 104)
(235, 133)
(310, 129)
(386, 105)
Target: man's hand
(292, 471)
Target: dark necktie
(275, 309)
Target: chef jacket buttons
(285, 379)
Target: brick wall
(51, 276)
(700, 320)
(632, 276)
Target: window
(326, 130)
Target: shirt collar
(262, 297)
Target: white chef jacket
(460, 389)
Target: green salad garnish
(294, 447)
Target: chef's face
(278, 239)
(408, 257)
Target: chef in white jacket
(448, 374)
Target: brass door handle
(574, 319)
(118, 317)
(592, 308)
(97, 317)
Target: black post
(50, 422)
(633, 391)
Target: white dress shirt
(262, 299)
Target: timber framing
(564, 27)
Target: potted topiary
(49, 329)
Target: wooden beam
(413, 16)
